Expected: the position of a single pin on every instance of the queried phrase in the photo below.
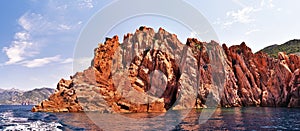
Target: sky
(38, 38)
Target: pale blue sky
(37, 38)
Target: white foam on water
(12, 123)
(34, 126)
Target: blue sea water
(250, 118)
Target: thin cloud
(64, 27)
(23, 22)
(238, 2)
(33, 22)
(22, 36)
(42, 28)
(193, 35)
(267, 3)
(86, 4)
(228, 23)
(16, 52)
(68, 60)
(252, 31)
(241, 16)
(23, 46)
(20, 48)
(41, 62)
(35, 29)
(245, 14)
(279, 9)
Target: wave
(10, 122)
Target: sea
(20, 118)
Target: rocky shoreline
(153, 72)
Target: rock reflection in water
(250, 118)
(138, 121)
(77, 121)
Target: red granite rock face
(63, 100)
(261, 80)
(295, 92)
(153, 72)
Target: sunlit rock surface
(153, 72)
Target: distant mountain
(19, 97)
(290, 47)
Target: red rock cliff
(152, 72)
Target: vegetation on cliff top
(290, 47)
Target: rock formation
(154, 72)
(260, 80)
